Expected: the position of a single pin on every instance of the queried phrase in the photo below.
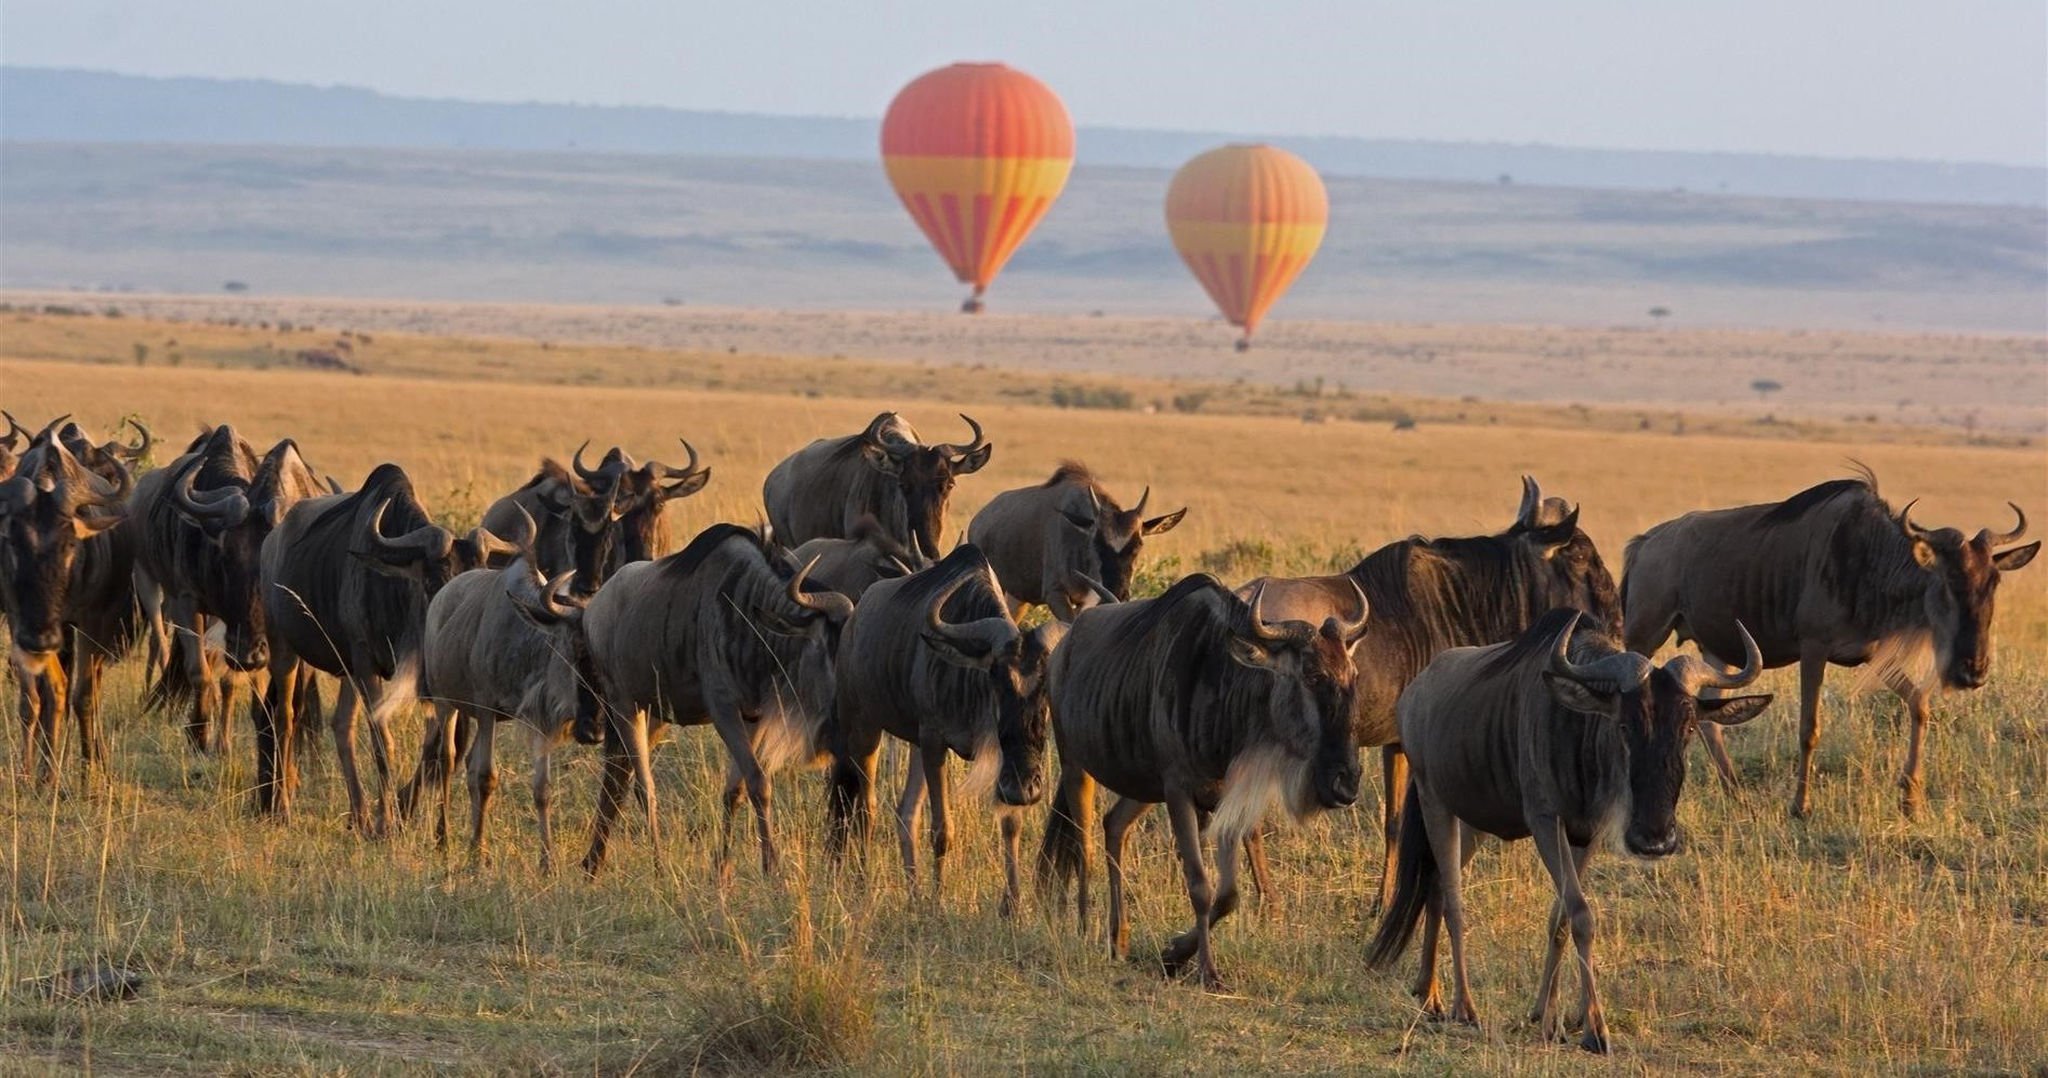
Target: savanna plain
(1856, 941)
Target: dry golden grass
(1852, 943)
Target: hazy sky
(1964, 80)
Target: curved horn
(1906, 522)
(140, 447)
(1532, 500)
(983, 631)
(50, 428)
(424, 542)
(1138, 510)
(14, 430)
(557, 598)
(2012, 536)
(686, 470)
(1269, 633)
(1561, 657)
(1353, 628)
(1102, 594)
(225, 507)
(1696, 673)
(833, 605)
(873, 435)
(588, 475)
(953, 450)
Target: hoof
(1174, 957)
(1594, 1043)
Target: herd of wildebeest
(1505, 677)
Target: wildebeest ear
(969, 463)
(1079, 521)
(958, 655)
(1164, 523)
(1578, 696)
(2017, 557)
(1249, 653)
(881, 459)
(1733, 710)
(87, 527)
(1925, 554)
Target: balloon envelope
(1246, 220)
(977, 153)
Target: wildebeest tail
(1065, 845)
(1414, 881)
(173, 685)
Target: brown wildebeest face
(39, 541)
(1311, 693)
(924, 475)
(1014, 663)
(1118, 535)
(1571, 573)
(1962, 591)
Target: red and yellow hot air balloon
(1246, 220)
(977, 152)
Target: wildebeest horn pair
(138, 449)
(955, 451)
(1625, 671)
(833, 605)
(546, 601)
(1695, 673)
(220, 508)
(1347, 630)
(607, 473)
(425, 542)
(980, 637)
(1991, 540)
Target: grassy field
(1854, 942)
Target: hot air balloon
(1246, 220)
(977, 152)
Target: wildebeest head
(924, 474)
(11, 444)
(570, 686)
(1962, 589)
(1571, 573)
(1656, 709)
(399, 540)
(1014, 662)
(641, 490)
(1114, 535)
(236, 512)
(1311, 690)
(48, 510)
(130, 454)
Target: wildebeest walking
(935, 660)
(1428, 595)
(1560, 736)
(1829, 575)
(503, 644)
(346, 579)
(66, 589)
(724, 632)
(1198, 700)
(200, 525)
(1047, 541)
(823, 490)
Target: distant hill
(55, 105)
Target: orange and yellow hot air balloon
(1246, 220)
(977, 152)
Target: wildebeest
(200, 525)
(345, 580)
(575, 515)
(823, 489)
(640, 533)
(66, 588)
(1557, 735)
(504, 644)
(1431, 594)
(935, 660)
(723, 631)
(851, 566)
(1198, 700)
(1046, 540)
(1829, 575)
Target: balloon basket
(1244, 344)
(971, 305)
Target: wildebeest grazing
(346, 579)
(723, 631)
(1829, 575)
(504, 644)
(1560, 736)
(1048, 540)
(1198, 700)
(1428, 595)
(823, 490)
(66, 589)
(575, 512)
(200, 525)
(935, 660)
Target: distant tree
(1660, 312)
(1764, 387)
(1505, 179)
(141, 353)
(234, 286)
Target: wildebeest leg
(28, 692)
(733, 730)
(909, 808)
(56, 696)
(1394, 771)
(618, 772)
(383, 699)
(1011, 821)
(1717, 751)
(1563, 861)
(639, 741)
(1813, 665)
(1911, 793)
(1115, 825)
(1446, 844)
(1255, 856)
(1427, 988)
(439, 744)
(85, 702)
(273, 714)
(343, 724)
(1543, 1014)
(1183, 947)
(1187, 842)
(188, 630)
(543, 744)
(933, 757)
(483, 781)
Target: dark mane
(550, 468)
(1147, 619)
(387, 480)
(1806, 501)
(969, 602)
(1482, 571)
(1538, 639)
(686, 561)
(1073, 471)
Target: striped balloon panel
(1246, 220)
(977, 211)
